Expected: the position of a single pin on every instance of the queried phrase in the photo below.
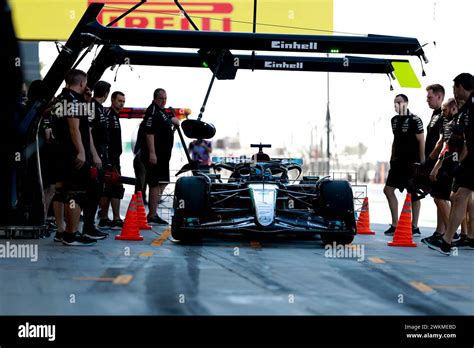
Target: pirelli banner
(50, 20)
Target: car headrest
(260, 156)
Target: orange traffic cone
(363, 224)
(403, 233)
(141, 213)
(130, 230)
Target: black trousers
(94, 192)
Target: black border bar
(224, 330)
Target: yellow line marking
(155, 242)
(255, 245)
(146, 254)
(163, 238)
(400, 261)
(421, 287)
(97, 279)
(123, 279)
(376, 260)
(450, 286)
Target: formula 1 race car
(260, 198)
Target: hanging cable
(58, 44)
(95, 53)
(390, 80)
(423, 73)
(116, 73)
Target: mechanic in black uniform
(434, 98)
(138, 165)
(464, 174)
(48, 160)
(408, 148)
(113, 191)
(156, 150)
(99, 134)
(442, 174)
(70, 125)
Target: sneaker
(457, 237)
(93, 233)
(415, 231)
(116, 224)
(104, 223)
(439, 245)
(463, 242)
(435, 235)
(470, 242)
(156, 220)
(390, 231)
(58, 237)
(77, 239)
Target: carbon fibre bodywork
(259, 198)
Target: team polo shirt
(432, 132)
(70, 104)
(405, 129)
(114, 133)
(158, 122)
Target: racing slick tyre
(191, 200)
(338, 239)
(336, 202)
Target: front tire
(191, 200)
(337, 202)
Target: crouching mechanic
(463, 185)
(113, 189)
(408, 148)
(70, 125)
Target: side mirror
(192, 166)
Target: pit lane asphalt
(235, 276)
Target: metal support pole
(328, 128)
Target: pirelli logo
(209, 16)
(55, 20)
